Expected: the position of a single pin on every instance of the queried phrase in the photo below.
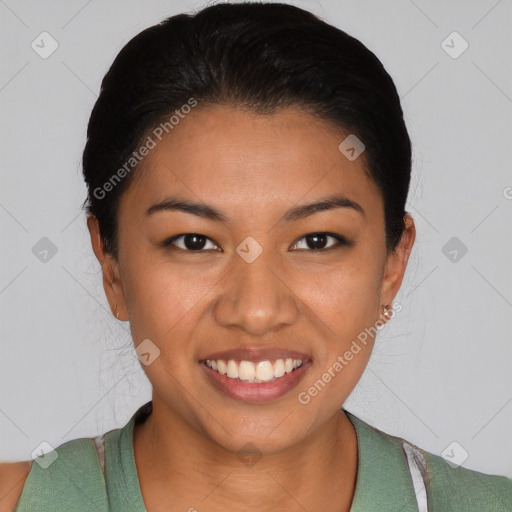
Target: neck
(317, 473)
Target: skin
(253, 168)
(12, 479)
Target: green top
(75, 481)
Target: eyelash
(341, 241)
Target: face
(220, 260)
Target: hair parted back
(259, 56)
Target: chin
(264, 434)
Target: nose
(256, 298)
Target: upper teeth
(262, 371)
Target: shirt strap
(418, 469)
(99, 443)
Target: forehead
(230, 156)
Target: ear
(396, 263)
(112, 283)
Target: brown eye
(190, 242)
(320, 241)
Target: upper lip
(256, 354)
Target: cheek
(161, 298)
(343, 303)
(344, 299)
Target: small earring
(117, 312)
(386, 311)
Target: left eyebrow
(328, 203)
(298, 212)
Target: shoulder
(69, 476)
(453, 488)
(461, 489)
(449, 488)
(12, 479)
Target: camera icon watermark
(249, 249)
(352, 147)
(249, 455)
(44, 45)
(44, 455)
(147, 352)
(454, 45)
(455, 454)
(44, 250)
(454, 249)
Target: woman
(248, 169)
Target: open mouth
(255, 375)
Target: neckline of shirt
(383, 475)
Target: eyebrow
(296, 213)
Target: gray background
(440, 371)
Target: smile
(254, 372)
(255, 375)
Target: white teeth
(232, 370)
(246, 370)
(222, 367)
(262, 371)
(279, 368)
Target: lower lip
(259, 392)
